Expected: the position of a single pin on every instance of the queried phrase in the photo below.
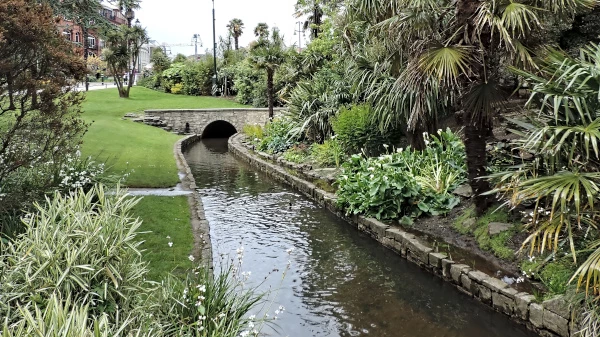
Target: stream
(329, 278)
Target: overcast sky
(175, 21)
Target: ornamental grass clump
(406, 183)
(82, 245)
(64, 318)
(206, 305)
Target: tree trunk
(270, 93)
(235, 39)
(85, 55)
(475, 145)
(477, 125)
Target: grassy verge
(166, 219)
(127, 147)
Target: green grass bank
(127, 147)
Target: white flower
(170, 244)
(244, 333)
(385, 146)
(252, 317)
(191, 258)
(289, 250)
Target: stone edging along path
(200, 228)
(550, 318)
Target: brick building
(73, 32)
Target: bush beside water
(406, 183)
(77, 271)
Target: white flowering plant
(204, 304)
(405, 183)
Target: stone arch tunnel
(219, 129)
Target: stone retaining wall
(198, 119)
(200, 227)
(551, 318)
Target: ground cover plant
(143, 152)
(404, 184)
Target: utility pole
(195, 39)
(299, 30)
(214, 50)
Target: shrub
(254, 133)
(297, 154)
(357, 131)
(406, 183)
(328, 154)
(64, 318)
(313, 103)
(197, 77)
(277, 137)
(177, 89)
(82, 244)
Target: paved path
(161, 192)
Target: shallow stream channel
(329, 278)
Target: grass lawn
(165, 217)
(127, 147)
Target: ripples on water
(340, 282)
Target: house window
(77, 38)
(67, 34)
(91, 42)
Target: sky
(176, 21)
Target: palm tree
(236, 29)
(261, 30)
(564, 180)
(127, 7)
(123, 50)
(268, 54)
(463, 51)
(315, 9)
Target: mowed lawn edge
(165, 220)
(143, 152)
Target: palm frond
(447, 63)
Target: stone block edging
(542, 318)
(200, 227)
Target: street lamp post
(214, 50)
(298, 31)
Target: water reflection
(339, 282)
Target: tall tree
(39, 110)
(315, 10)
(268, 54)
(123, 50)
(236, 29)
(261, 30)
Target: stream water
(331, 279)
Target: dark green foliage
(405, 184)
(315, 102)
(328, 154)
(277, 137)
(357, 131)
